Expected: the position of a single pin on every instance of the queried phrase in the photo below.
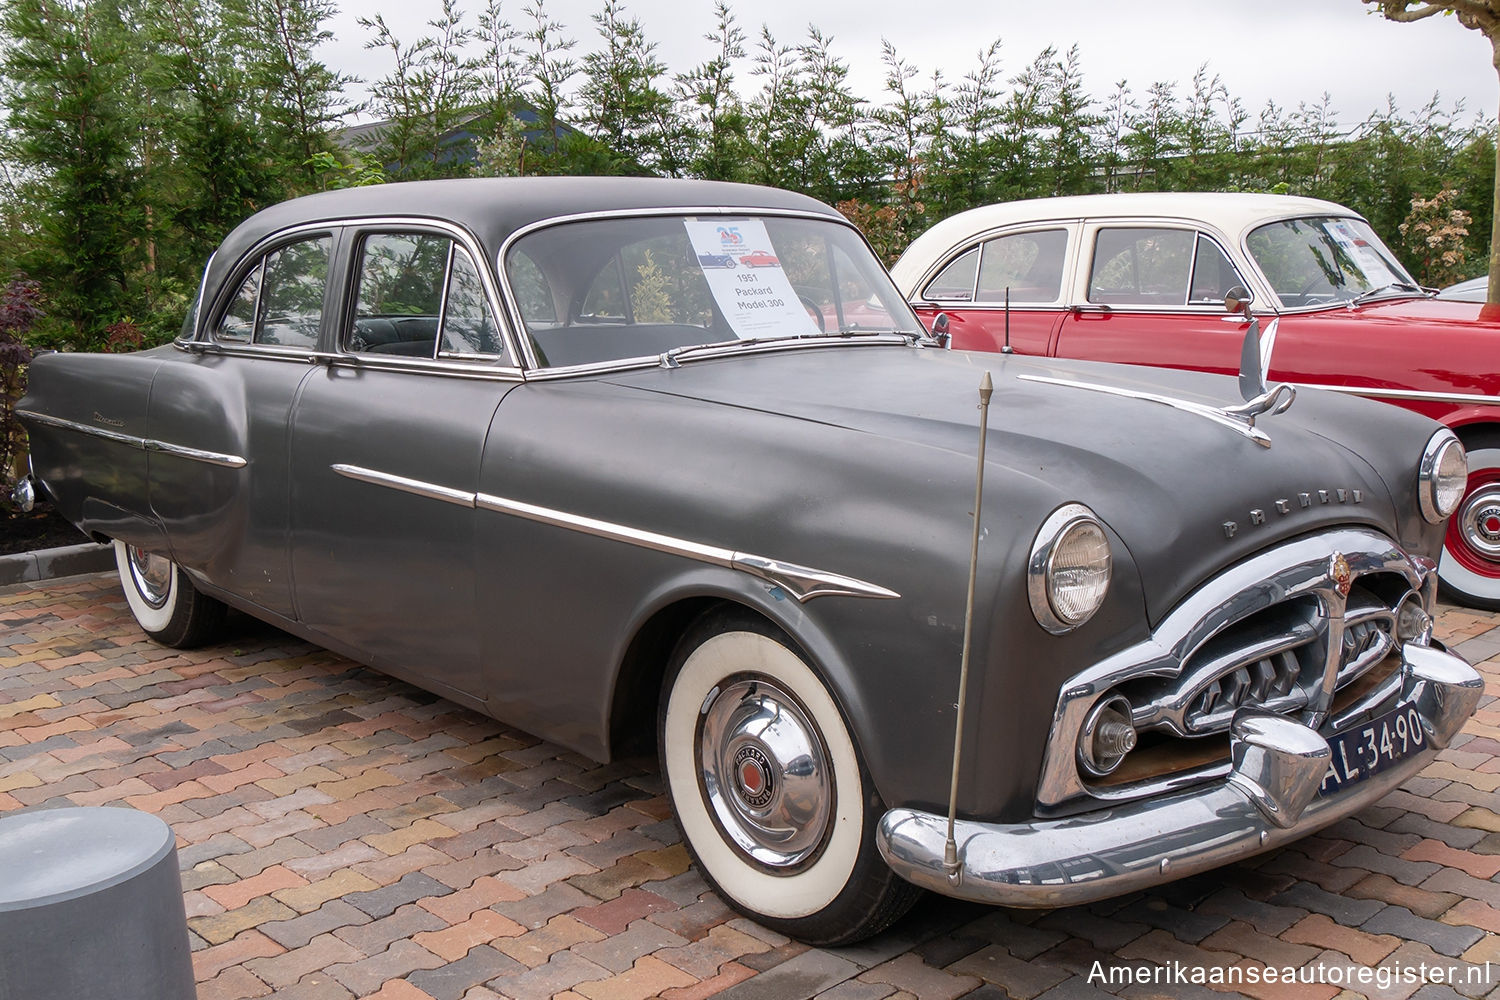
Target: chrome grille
(1273, 660)
(1284, 631)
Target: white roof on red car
(1232, 213)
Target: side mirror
(1237, 300)
(940, 331)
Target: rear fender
(85, 416)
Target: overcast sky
(1283, 51)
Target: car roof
(494, 207)
(1233, 213)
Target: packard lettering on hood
(519, 442)
(1303, 501)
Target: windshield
(611, 289)
(1325, 261)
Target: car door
(1152, 293)
(387, 438)
(225, 511)
(1006, 288)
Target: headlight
(1443, 476)
(1068, 572)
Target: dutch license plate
(1374, 747)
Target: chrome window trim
(978, 250)
(218, 458)
(358, 225)
(801, 582)
(474, 368)
(192, 337)
(518, 323)
(729, 349)
(1073, 227)
(1302, 566)
(1186, 307)
(260, 251)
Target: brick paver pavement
(343, 834)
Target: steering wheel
(813, 311)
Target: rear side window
(1030, 265)
(418, 295)
(280, 301)
(955, 283)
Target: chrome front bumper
(1269, 799)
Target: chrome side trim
(218, 458)
(1240, 419)
(415, 487)
(1270, 798)
(801, 582)
(1413, 395)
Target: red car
(759, 258)
(1141, 279)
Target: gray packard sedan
(636, 462)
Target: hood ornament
(1255, 357)
(1255, 362)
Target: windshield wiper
(1403, 286)
(669, 359)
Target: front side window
(418, 294)
(1326, 261)
(613, 289)
(1141, 267)
(280, 300)
(1213, 274)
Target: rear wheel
(772, 798)
(166, 605)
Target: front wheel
(166, 605)
(1470, 567)
(772, 798)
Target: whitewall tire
(768, 787)
(164, 602)
(1469, 569)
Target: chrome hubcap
(152, 575)
(1479, 519)
(765, 771)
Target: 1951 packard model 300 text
(624, 461)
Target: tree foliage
(1482, 16)
(137, 132)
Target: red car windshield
(1326, 260)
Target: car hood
(1405, 311)
(1184, 494)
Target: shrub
(20, 308)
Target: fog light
(1108, 735)
(1413, 624)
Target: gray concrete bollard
(91, 907)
